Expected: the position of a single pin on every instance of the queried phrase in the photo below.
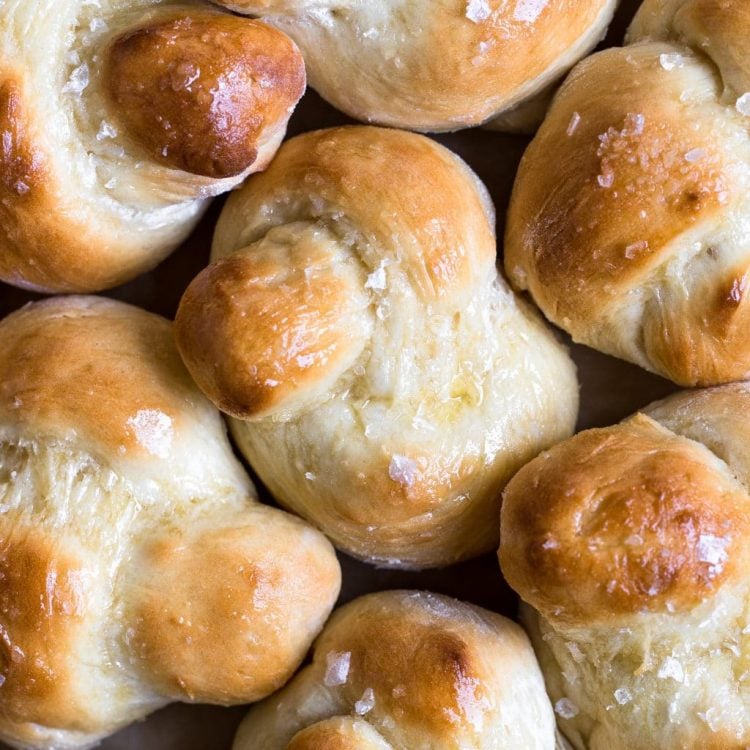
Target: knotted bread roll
(119, 119)
(427, 65)
(385, 382)
(631, 545)
(405, 670)
(628, 222)
(136, 568)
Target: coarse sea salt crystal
(631, 251)
(477, 10)
(606, 179)
(527, 11)
(670, 61)
(575, 652)
(402, 470)
(376, 280)
(78, 81)
(153, 431)
(671, 669)
(366, 703)
(743, 104)
(634, 123)
(337, 668)
(566, 709)
(623, 696)
(712, 549)
(106, 130)
(711, 717)
(695, 154)
(575, 121)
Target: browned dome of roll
(120, 121)
(634, 242)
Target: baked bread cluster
(629, 545)
(377, 373)
(635, 242)
(408, 669)
(136, 566)
(383, 380)
(120, 119)
(432, 66)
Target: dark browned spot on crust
(198, 91)
(622, 520)
(422, 674)
(19, 163)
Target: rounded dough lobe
(199, 90)
(629, 546)
(420, 670)
(621, 516)
(119, 123)
(136, 566)
(643, 217)
(429, 66)
(384, 381)
(207, 603)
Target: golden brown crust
(430, 66)
(422, 670)
(43, 600)
(200, 629)
(622, 520)
(67, 372)
(557, 238)
(199, 90)
(259, 327)
(134, 566)
(97, 183)
(20, 167)
(633, 243)
(339, 733)
(445, 238)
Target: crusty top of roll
(138, 568)
(120, 121)
(108, 375)
(634, 242)
(405, 669)
(623, 520)
(387, 380)
(430, 66)
(629, 546)
(264, 329)
(198, 89)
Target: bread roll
(635, 240)
(405, 669)
(384, 381)
(430, 66)
(631, 547)
(136, 566)
(120, 119)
